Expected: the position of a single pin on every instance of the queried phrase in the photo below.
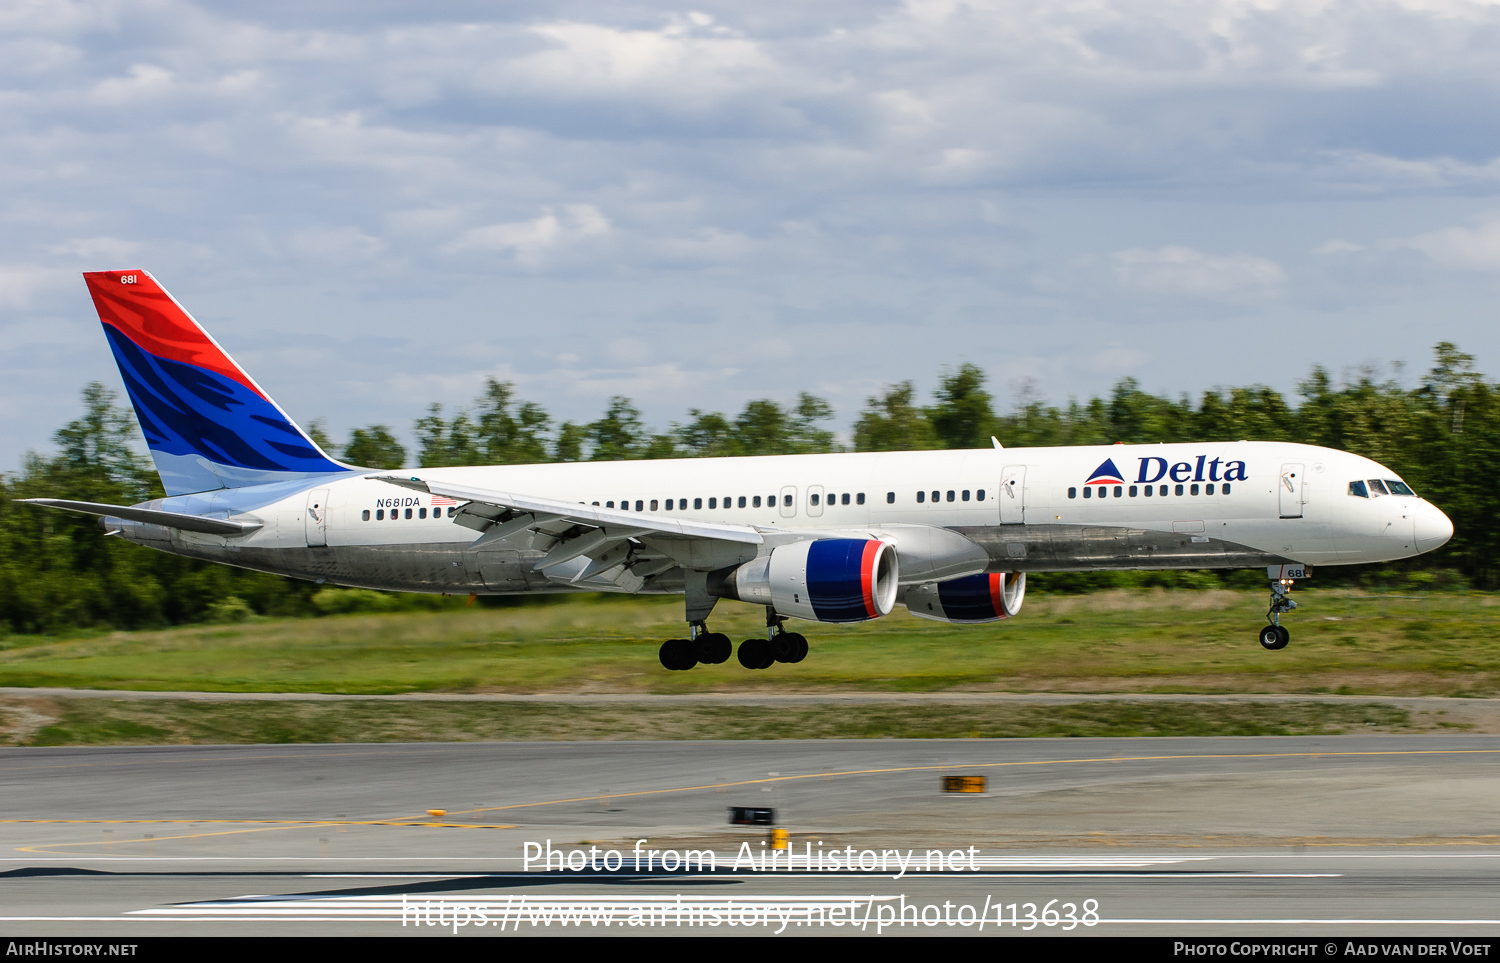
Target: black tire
(755, 654)
(1286, 635)
(714, 648)
(1272, 637)
(790, 647)
(677, 655)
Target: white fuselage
(1208, 505)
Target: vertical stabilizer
(207, 423)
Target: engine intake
(973, 598)
(823, 580)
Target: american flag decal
(438, 500)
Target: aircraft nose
(1433, 528)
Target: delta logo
(1154, 468)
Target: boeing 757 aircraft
(824, 538)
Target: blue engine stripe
(968, 599)
(835, 580)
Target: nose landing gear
(1275, 635)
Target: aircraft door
(814, 499)
(789, 501)
(316, 518)
(1013, 495)
(1289, 491)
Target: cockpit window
(1398, 487)
(1358, 488)
(1377, 487)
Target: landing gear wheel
(677, 655)
(714, 648)
(1274, 637)
(756, 654)
(789, 647)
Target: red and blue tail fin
(207, 423)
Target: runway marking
(416, 821)
(277, 825)
(984, 765)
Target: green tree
(619, 435)
(962, 416)
(374, 447)
(892, 422)
(509, 432)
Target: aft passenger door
(1013, 495)
(1289, 491)
(316, 519)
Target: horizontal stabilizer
(151, 516)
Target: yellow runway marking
(411, 821)
(982, 765)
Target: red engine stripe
(867, 577)
(996, 599)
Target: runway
(1333, 835)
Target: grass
(63, 721)
(1120, 641)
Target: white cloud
(22, 284)
(336, 244)
(530, 241)
(111, 249)
(1182, 271)
(1474, 248)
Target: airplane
(832, 538)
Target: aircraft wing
(509, 513)
(152, 516)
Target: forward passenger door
(1013, 495)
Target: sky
(377, 206)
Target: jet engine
(973, 598)
(823, 580)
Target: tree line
(58, 572)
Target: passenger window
(713, 503)
(966, 494)
(1103, 492)
(596, 505)
(921, 497)
(1119, 490)
(1149, 491)
(844, 499)
(936, 496)
(1072, 493)
(1208, 489)
(408, 513)
(890, 498)
(1132, 491)
(979, 495)
(421, 513)
(669, 504)
(1162, 491)
(380, 514)
(755, 502)
(364, 516)
(950, 494)
(1088, 492)
(1377, 487)
(1192, 489)
(786, 500)
(653, 504)
(638, 504)
(1225, 489)
(697, 503)
(742, 501)
(1179, 489)
(813, 499)
(860, 498)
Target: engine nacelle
(824, 580)
(973, 598)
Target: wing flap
(541, 508)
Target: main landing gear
(1275, 635)
(713, 648)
